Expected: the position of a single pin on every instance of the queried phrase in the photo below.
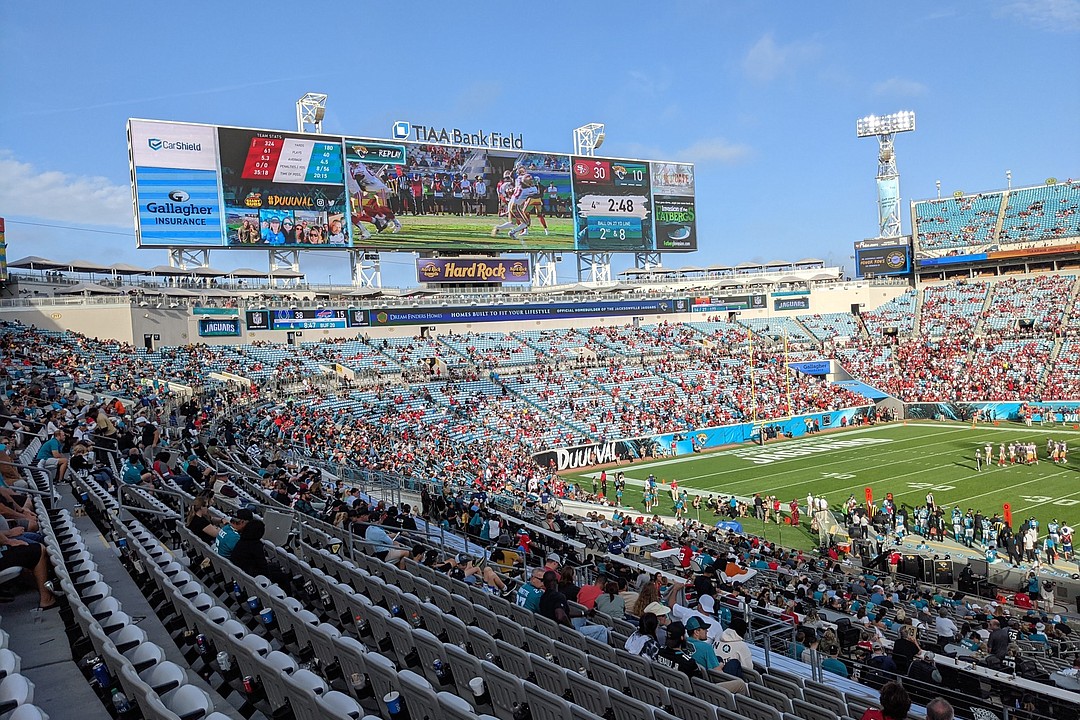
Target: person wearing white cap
(1039, 635)
(706, 610)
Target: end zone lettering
(795, 450)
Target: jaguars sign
(473, 270)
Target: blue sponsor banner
(178, 207)
(812, 367)
(227, 312)
(798, 303)
(512, 313)
(952, 259)
(219, 327)
(685, 443)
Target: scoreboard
(306, 319)
(206, 186)
(878, 257)
(292, 160)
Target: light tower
(310, 110)
(595, 266)
(884, 128)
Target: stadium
(660, 487)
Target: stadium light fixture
(1008, 178)
(588, 138)
(884, 128)
(310, 110)
(871, 125)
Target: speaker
(1026, 323)
(943, 574)
(891, 331)
(855, 309)
(911, 565)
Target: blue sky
(762, 96)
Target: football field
(905, 460)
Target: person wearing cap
(229, 534)
(923, 669)
(676, 653)
(272, 234)
(697, 637)
(1038, 634)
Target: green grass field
(450, 232)
(906, 460)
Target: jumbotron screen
(883, 256)
(206, 186)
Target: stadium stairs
(1000, 221)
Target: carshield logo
(401, 130)
(154, 143)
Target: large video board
(204, 186)
(877, 257)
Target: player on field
(978, 459)
(505, 193)
(369, 199)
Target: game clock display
(613, 204)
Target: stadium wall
(690, 441)
(180, 326)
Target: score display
(206, 186)
(293, 160)
(613, 204)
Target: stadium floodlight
(310, 110)
(884, 128)
(588, 138)
(871, 125)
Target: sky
(763, 97)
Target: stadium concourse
(328, 615)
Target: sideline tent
(732, 525)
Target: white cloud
(899, 87)
(54, 195)
(714, 150)
(766, 59)
(1051, 15)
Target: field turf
(906, 460)
(451, 232)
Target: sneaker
(513, 235)
(494, 232)
(397, 226)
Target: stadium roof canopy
(125, 269)
(791, 279)
(167, 270)
(87, 266)
(809, 261)
(33, 262)
(824, 276)
(89, 289)
(365, 292)
(720, 268)
(207, 272)
(129, 289)
(247, 273)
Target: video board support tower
(544, 274)
(647, 260)
(884, 128)
(284, 260)
(595, 266)
(185, 258)
(366, 268)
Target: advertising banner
(209, 186)
(511, 313)
(812, 367)
(473, 270)
(725, 303)
(791, 303)
(176, 182)
(219, 327)
(888, 198)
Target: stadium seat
(624, 707)
(755, 710)
(421, 700)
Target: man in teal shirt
(230, 532)
(529, 594)
(697, 636)
(50, 458)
